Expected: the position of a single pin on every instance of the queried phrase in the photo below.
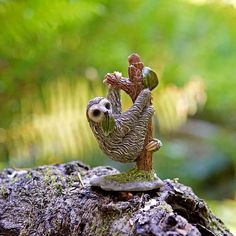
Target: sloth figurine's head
(99, 113)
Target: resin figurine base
(133, 180)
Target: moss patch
(133, 175)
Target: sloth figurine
(120, 134)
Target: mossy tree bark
(52, 200)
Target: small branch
(132, 85)
(144, 161)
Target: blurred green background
(54, 55)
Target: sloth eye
(96, 112)
(108, 106)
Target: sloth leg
(154, 144)
(134, 140)
(129, 118)
(146, 115)
(140, 128)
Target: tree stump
(54, 200)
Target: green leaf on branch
(150, 79)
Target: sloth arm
(114, 97)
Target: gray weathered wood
(51, 200)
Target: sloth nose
(106, 113)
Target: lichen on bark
(133, 174)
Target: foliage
(42, 41)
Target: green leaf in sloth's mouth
(108, 125)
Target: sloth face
(99, 111)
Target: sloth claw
(153, 145)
